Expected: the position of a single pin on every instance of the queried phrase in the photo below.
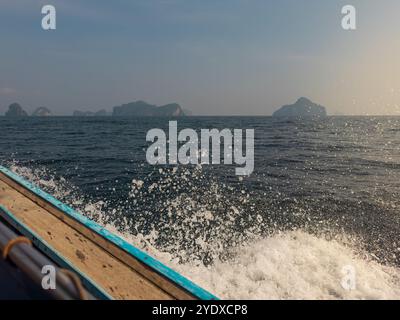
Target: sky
(213, 57)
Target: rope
(77, 282)
(72, 276)
(12, 243)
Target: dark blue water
(330, 176)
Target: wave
(291, 265)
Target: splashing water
(187, 220)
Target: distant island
(15, 110)
(132, 109)
(302, 108)
(42, 112)
(143, 109)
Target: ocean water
(324, 196)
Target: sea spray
(192, 225)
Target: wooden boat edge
(52, 253)
(175, 283)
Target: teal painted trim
(156, 265)
(52, 253)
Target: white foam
(290, 265)
(295, 265)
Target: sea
(319, 218)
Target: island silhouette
(302, 108)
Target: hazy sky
(211, 56)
